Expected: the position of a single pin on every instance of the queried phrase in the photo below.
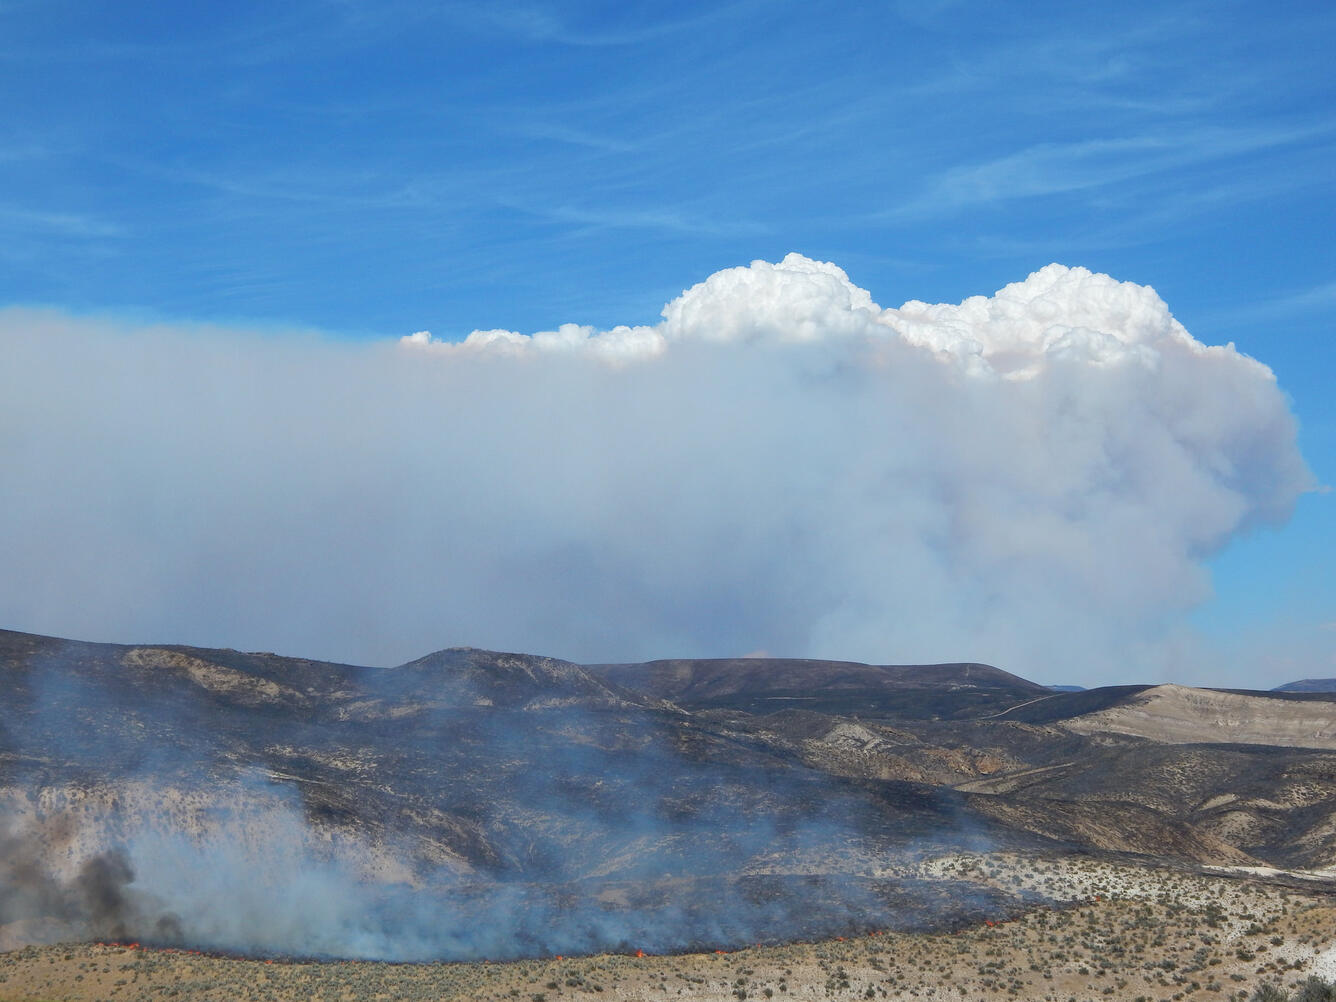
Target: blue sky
(371, 169)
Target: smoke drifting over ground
(465, 805)
(1032, 480)
(285, 893)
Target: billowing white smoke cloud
(1031, 479)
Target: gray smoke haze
(281, 890)
(473, 809)
(264, 883)
(1032, 480)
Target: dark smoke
(27, 890)
(97, 902)
(100, 886)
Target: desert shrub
(1314, 989)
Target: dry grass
(1117, 932)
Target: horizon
(1057, 687)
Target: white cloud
(1031, 479)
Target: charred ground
(674, 804)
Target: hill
(479, 803)
(763, 685)
(1308, 685)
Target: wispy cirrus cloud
(1313, 301)
(1060, 168)
(1315, 298)
(668, 220)
(68, 224)
(549, 23)
(560, 133)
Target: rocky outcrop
(1180, 715)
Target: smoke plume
(1032, 479)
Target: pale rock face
(1179, 715)
(214, 678)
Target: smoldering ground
(1033, 480)
(464, 805)
(291, 899)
